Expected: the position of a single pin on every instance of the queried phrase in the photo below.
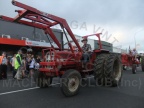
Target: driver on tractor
(134, 54)
(86, 51)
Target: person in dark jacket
(38, 59)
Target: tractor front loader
(67, 63)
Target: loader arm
(98, 36)
(41, 20)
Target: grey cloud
(116, 12)
(118, 15)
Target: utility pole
(135, 38)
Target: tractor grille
(50, 58)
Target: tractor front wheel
(70, 82)
(134, 68)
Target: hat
(84, 39)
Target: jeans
(86, 57)
(19, 73)
(13, 71)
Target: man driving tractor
(86, 51)
(134, 52)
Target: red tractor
(67, 63)
(128, 60)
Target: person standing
(38, 59)
(37, 62)
(18, 63)
(28, 61)
(3, 66)
(13, 65)
(32, 64)
(23, 67)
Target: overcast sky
(122, 19)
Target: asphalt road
(25, 94)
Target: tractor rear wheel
(113, 70)
(99, 69)
(142, 63)
(134, 68)
(70, 83)
(42, 80)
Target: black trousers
(14, 72)
(3, 71)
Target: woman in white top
(32, 64)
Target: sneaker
(19, 79)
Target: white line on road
(54, 84)
(18, 91)
(24, 90)
(31, 88)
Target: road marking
(24, 89)
(18, 91)
(31, 88)
(89, 77)
(54, 84)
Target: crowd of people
(22, 66)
